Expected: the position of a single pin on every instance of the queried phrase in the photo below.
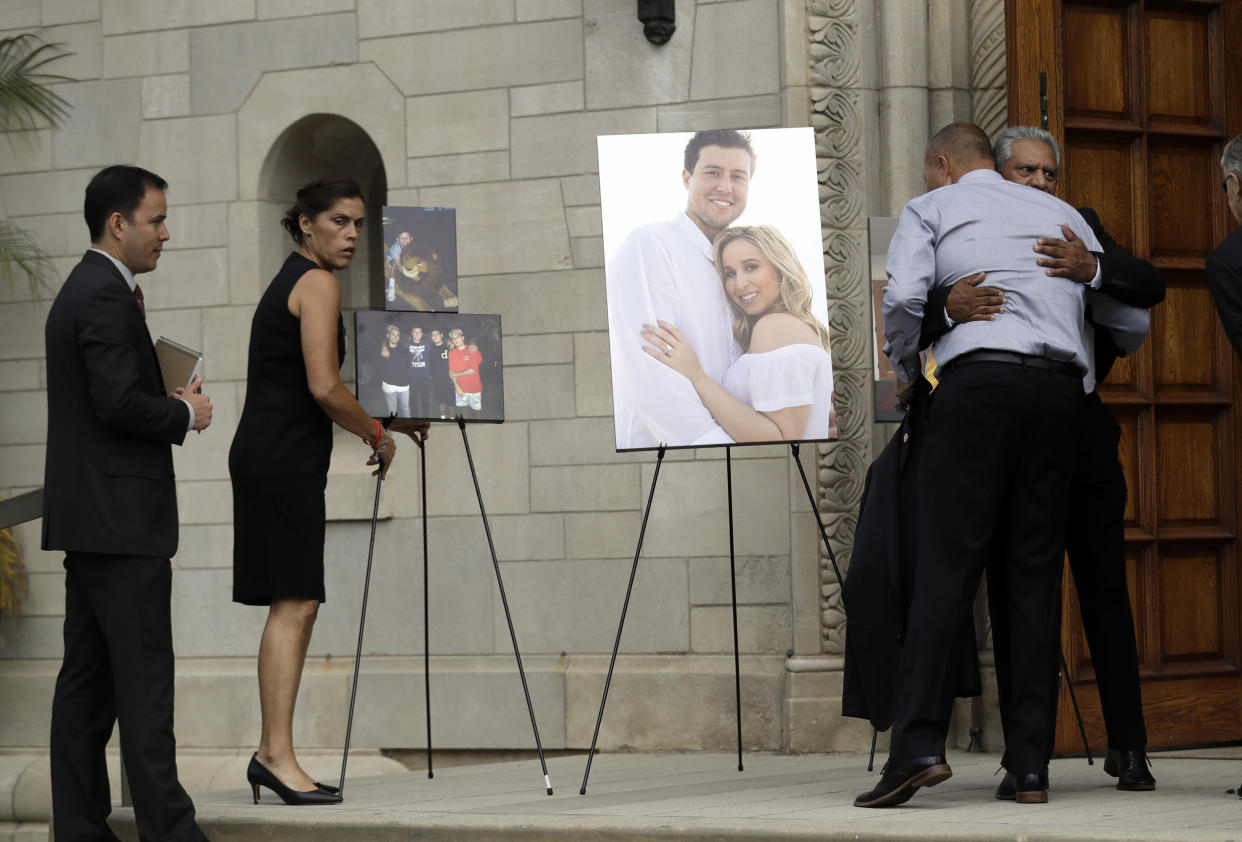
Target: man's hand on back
(1066, 258)
(969, 302)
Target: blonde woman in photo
(780, 388)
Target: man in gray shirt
(999, 449)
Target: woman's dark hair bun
(315, 198)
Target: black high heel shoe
(258, 775)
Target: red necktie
(142, 304)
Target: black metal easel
(642, 531)
(505, 601)
(737, 666)
(422, 478)
(737, 674)
(366, 587)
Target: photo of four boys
(430, 366)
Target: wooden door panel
(1124, 379)
(1208, 714)
(1182, 341)
(1191, 577)
(1143, 95)
(1094, 38)
(1103, 179)
(1187, 469)
(1181, 183)
(1127, 453)
(1177, 46)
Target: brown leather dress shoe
(900, 779)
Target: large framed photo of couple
(430, 366)
(717, 308)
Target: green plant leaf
(26, 101)
(20, 253)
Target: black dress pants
(118, 666)
(1095, 541)
(1095, 544)
(996, 462)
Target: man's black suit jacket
(108, 481)
(1224, 274)
(879, 583)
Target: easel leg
(620, 625)
(366, 587)
(505, 601)
(810, 496)
(422, 464)
(737, 667)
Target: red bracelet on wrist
(379, 433)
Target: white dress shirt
(133, 282)
(664, 271)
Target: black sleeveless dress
(279, 458)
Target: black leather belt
(1042, 363)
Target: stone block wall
(491, 107)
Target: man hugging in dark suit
(110, 504)
(1096, 501)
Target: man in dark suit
(1095, 531)
(110, 504)
(1224, 265)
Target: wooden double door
(1144, 95)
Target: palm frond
(26, 101)
(20, 254)
(14, 583)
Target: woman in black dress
(279, 463)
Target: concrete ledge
(705, 797)
(25, 782)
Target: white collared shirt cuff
(191, 409)
(948, 320)
(1098, 280)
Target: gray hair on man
(1002, 149)
(1231, 161)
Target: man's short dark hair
(724, 138)
(961, 143)
(116, 189)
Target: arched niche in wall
(325, 146)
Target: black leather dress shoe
(1130, 770)
(1027, 788)
(900, 779)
